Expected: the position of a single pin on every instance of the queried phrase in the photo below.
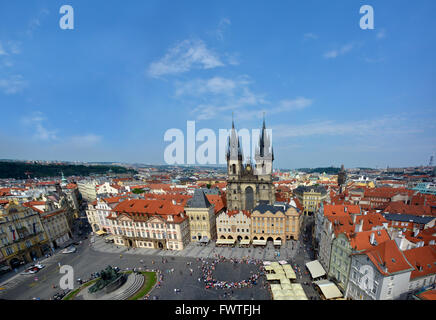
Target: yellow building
(22, 235)
(311, 197)
(277, 223)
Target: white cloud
(295, 104)
(183, 57)
(35, 23)
(14, 47)
(87, 140)
(2, 50)
(13, 84)
(35, 123)
(338, 52)
(222, 27)
(387, 125)
(215, 86)
(381, 34)
(222, 95)
(43, 133)
(310, 35)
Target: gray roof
(199, 200)
(302, 189)
(408, 217)
(262, 208)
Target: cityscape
(214, 162)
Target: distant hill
(18, 170)
(328, 170)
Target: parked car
(30, 270)
(70, 249)
(39, 266)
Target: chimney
(372, 238)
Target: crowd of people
(211, 283)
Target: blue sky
(130, 70)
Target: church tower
(342, 179)
(234, 154)
(247, 187)
(264, 155)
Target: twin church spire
(263, 150)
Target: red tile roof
(361, 240)
(142, 210)
(334, 210)
(217, 200)
(423, 259)
(401, 207)
(428, 295)
(387, 254)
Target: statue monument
(110, 280)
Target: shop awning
(272, 276)
(284, 280)
(204, 240)
(100, 232)
(277, 242)
(225, 241)
(279, 271)
(315, 268)
(329, 289)
(275, 287)
(244, 242)
(259, 242)
(290, 275)
(268, 268)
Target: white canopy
(328, 289)
(315, 268)
(259, 242)
(225, 241)
(277, 242)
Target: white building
(379, 273)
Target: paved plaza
(174, 267)
(194, 250)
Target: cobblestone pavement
(193, 250)
(94, 255)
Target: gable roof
(361, 240)
(423, 259)
(199, 200)
(388, 258)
